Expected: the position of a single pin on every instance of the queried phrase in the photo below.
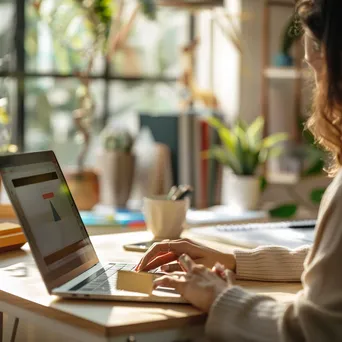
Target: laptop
(57, 236)
(290, 234)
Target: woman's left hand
(199, 285)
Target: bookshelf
(295, 74)
(285, 73)
(269, 72)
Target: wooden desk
(79, 320)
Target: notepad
(290, 234)
(223, 215)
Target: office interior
(137, 96)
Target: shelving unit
(290, 73)
(295, 73)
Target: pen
(182, 192)
(172, 192)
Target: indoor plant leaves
(316, 195)
(284, 211)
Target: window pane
(127, 98)
(59, 38)
(7, 29)
(8, 103)
(153, 46)
(49, 117)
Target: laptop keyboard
(104, 280)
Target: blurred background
(90, 77)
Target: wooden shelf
(7, 211)
(285, 73)
(192, 4)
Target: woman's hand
(164, 252)
(199, 285)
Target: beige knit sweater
(315, 314)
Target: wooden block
(135, 281)
(7, 211)
(11, 240)
(11, 237)
(9, 228)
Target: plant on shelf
(291, 34)
(244, 151)
(116, 167)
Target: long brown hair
(324, 19)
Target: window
(41, 76)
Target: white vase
(240, 192)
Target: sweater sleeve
(314, 315)
(270, 263)
(247, 317)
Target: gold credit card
(135, 281)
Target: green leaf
(263, 183)
(215, 123)
(275, 152)
(284, 211)
(255, 131)
(274, 139)
(241, 137)
(315, 168)
(224, 157)
(252, 161)
(241, 156)
(228, 140)
(316, 195)
(242, 124)
(226, 136)
(263, 155)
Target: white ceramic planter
(241, 192)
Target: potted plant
(243, 152)
(88, 29)
(291, 34)
(116, 164)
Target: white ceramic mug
(165, 218)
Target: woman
(316, 313)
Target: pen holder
(165, 218)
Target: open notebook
(291, 234)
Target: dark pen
(184, 191)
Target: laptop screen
(49, 216)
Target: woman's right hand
(165, 252)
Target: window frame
(21, 74)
